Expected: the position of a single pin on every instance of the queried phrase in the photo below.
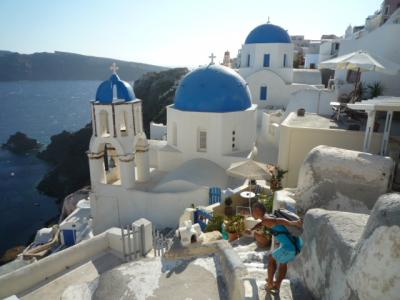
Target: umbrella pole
(356, 86)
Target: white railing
(162, 242)
(131, 242)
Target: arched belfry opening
(104, 126)
(111, 165)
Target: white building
(267, 65)
(382, 41)
(211, 125)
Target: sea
(39, 109)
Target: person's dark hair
(259, 206)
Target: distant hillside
(66, 66)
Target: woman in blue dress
(289, 247)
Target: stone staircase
(256, 262)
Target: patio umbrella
(361, 61)
(249, 169)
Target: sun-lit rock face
(340, 179)
(350, 255)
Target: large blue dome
(213, 88)
(105, 94)
(268, 33)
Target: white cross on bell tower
(114, 68)
(212, 56)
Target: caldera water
(39, 109)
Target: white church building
(211, 124)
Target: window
(233, 140)
(123, 124)
(248, 60)
(352, 76)
(263, 93)
(104, 129)
(266, 61)
(174, 134)
(387, 10)
(284, 60)
(202, 141)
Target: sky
(165, 32)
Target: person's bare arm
(271, 222)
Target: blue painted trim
(263, 93)
(266, 60)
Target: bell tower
(117, 123)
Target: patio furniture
(246, 195)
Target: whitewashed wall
(312, 100)
(296, 142)
(276, 52)
(311, 58)
(114, 205)
(158, 131)
(219, 127)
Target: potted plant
(228, 207)
(375, 89)
(234, 225)
(215, 223)
(276, 179)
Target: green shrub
(215, 223)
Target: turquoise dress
(288, 244)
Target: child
(290, 246)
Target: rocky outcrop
(350, 255)
(20, 143)
(340, 179)
(67, 153)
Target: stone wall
(350, 255)
(340, 179)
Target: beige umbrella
(361, 61)
(249, 169)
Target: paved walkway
(157, 278)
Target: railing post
(129, 243)
(123, 243)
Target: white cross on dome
(212, 56)
(114, 68)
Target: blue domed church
(212, 117)
(266, 63)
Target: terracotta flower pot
(262, 240)
(233, 236)
(229, 211)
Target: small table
(248, 195)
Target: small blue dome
(104, 92)
(212, 88)
(268, 33)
